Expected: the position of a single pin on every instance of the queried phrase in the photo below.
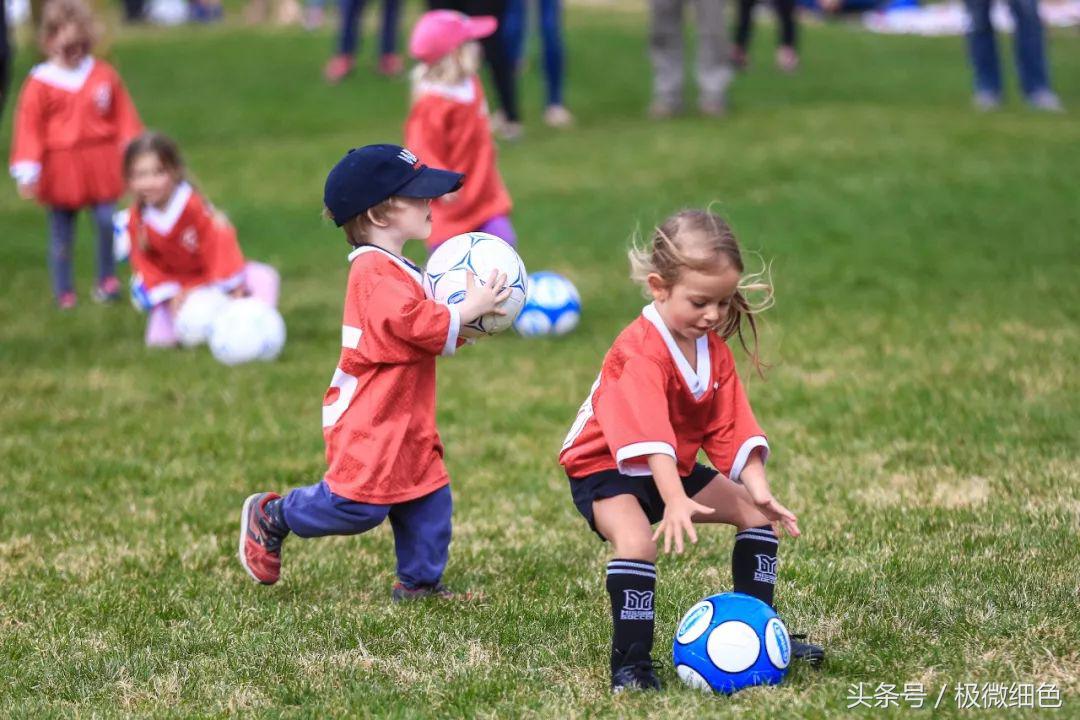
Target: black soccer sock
(631, 584)
(276, 514)
(753, 562)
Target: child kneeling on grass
(382, 447)
(667, 389)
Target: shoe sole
(243, 537)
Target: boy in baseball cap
(384, 455)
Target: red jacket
(71, 128)
(448, 128)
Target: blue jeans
(421, 526)
(351, 11)
(1029, 46)
(513, 31)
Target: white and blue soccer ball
(479, 253)
(552, 307)
(195, 317)
(247, 330)
(731, 641)
(121, 237)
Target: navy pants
(421, 526)
(1029, 45)
(550, 22)
(349, 38)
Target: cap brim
(482, 25)
(430, 183)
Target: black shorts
(609, 483)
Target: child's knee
(635, 548)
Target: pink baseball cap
(440, 32)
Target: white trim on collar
(463, 92)
(163, 221)
(698, 381)
(70, 79)
(408, 267)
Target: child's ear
(375, 219)
(657, 287)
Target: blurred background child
(448, 125)
(343, 62)
(73, 119)
(179, 242)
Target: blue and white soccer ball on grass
(247, 329)
(552, 307)
(479, 253)
(731, 641)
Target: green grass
(921, 405)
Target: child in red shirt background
(73, 119)
(180, 242)
(383, 452)
(448, 125)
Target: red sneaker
(337, 68)
(260, 539)
(391, 65)
(67, 301)
(108, 290)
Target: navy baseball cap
(368, 175)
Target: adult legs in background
(982, 50)
(61, 241)
(555, 114)
(744, 27)
(787, 56)
(513, 32)
(1029, 44)
(713, 70)
(666, 53)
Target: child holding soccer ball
(667, 389)
(72, 122)
(382, 447)
(179, 241)
(448, 125)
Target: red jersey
(448, 128)
(183, 246)
(649, 400)
(71, 128)
(382, 446)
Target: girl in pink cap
(448, 125)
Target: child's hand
(28, 191)
(483, 299)
(679, 518)
(779, 515)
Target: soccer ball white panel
(247, 330)
(195, 317)
(553, 306)
(694, 623)
(480, 253)
(777, 643)
(692, 678)
(733, 646)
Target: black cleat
(633, 670)
(813, 655)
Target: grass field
(922, 404)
